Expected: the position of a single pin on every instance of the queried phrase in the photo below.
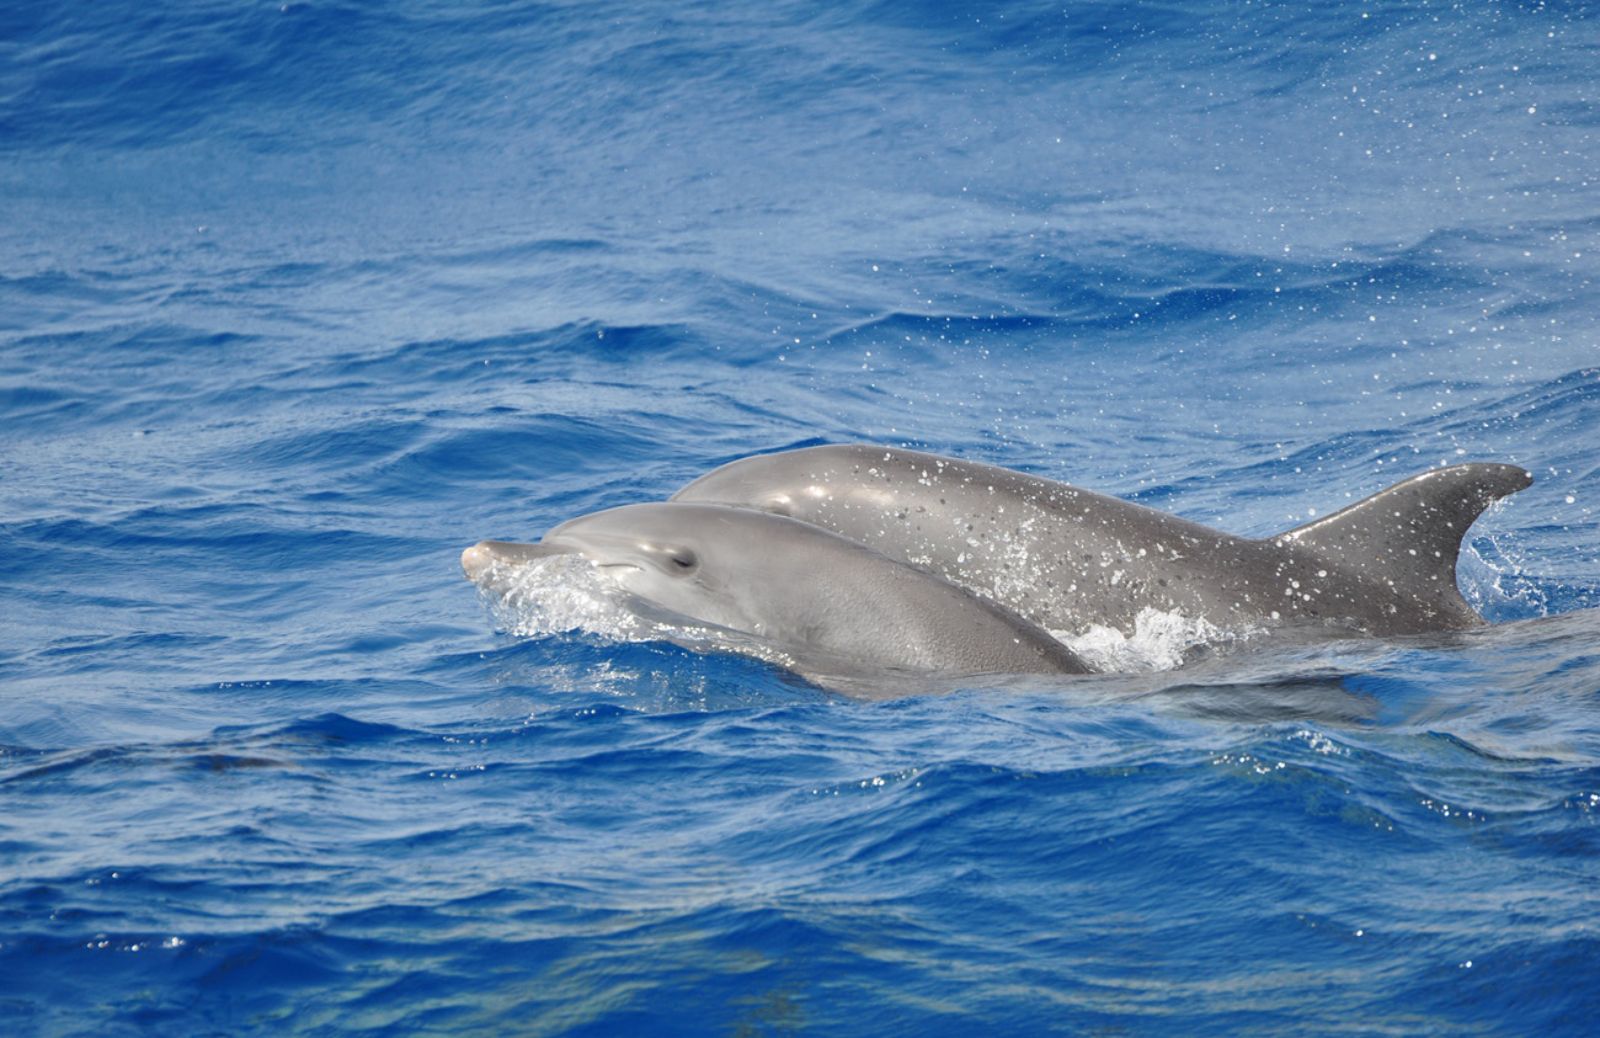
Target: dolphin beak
(477, 560)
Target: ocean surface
(297, 300)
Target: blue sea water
(298, 300)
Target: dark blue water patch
(139, 377)
(188, 67)
(355, 445)
(272, 969)
(430, 362)
(528, 366)
(329, 728)
(108, 766)
(1150, 288)
(36, 300)
(529, 677)
(205, 546)
(1558, 401)
(34, 404)
(518, 460)
(161, 642)
(117, 350)
(1284, 475)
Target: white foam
(1160, 641)
(556, 595)
(565, 593)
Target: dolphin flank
(1067, 558)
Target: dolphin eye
(683, 560)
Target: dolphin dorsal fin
(1408, 536)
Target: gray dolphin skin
(803, 590)
(1066, 558)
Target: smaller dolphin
(811, 594)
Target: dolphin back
(1408, 537)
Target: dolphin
(1068, 559)
(820, 600)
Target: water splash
(1161, 640)
(558, 595)
(1495, 582)
(565, 594)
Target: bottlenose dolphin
(817, 598)
(1068, 559)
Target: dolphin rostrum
(819, 599)
(1068, 559)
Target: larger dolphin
(816, 598)
(1068, 559)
